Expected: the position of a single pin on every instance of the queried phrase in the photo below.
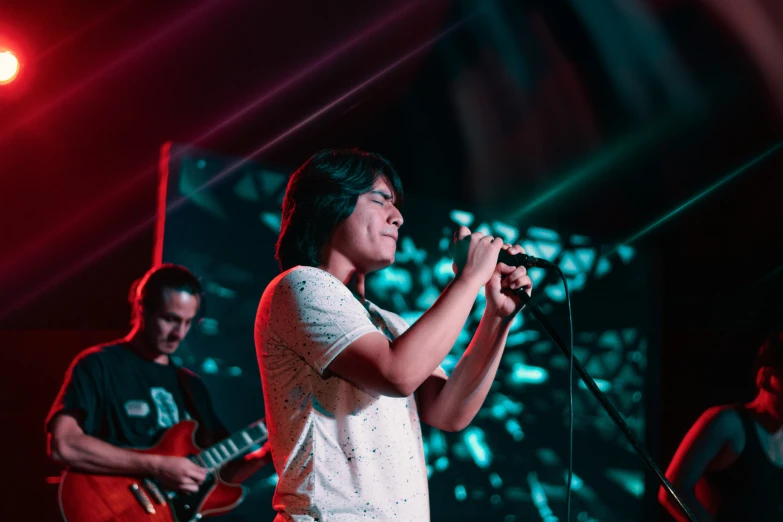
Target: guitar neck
(232, 447)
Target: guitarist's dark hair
(146, 293)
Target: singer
(346, 383)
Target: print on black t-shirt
(129, 401)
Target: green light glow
(601, 163)
(462, 218)
(742, 169)
(603, 385)
(632, 482)
(477, 446)
(543, 233)
(524, 374)
(514, 429)
(271, 220)
(508, 232)
(209, 366)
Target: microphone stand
(607, 405)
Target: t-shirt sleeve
(317, 317)
(81, 394)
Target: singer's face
(367, 239)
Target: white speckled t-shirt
(342, 454)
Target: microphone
(459, 251)
(524, 260)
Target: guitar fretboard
(232, 447)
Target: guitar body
(88, 497)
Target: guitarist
(127, 393)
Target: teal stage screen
(220, 217)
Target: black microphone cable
(526, 299)
(530, 261)
(570, 397)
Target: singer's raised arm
(451, 403)
(400, 367)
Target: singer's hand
(500, 289)
(477, 262)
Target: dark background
(515, 101)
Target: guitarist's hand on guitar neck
(179, 473)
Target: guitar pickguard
(185, 506)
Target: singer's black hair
(321, 194)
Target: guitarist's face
(168, 325)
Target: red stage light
(9, 67)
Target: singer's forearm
(456, 403)
(399, 368)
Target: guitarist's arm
(239, 471)
(68, 445)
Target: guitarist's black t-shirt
(128, 401)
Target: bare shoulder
(713, 442)
(722, 422)
(723, 413)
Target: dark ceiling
(106, 83)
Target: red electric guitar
(88, 497)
